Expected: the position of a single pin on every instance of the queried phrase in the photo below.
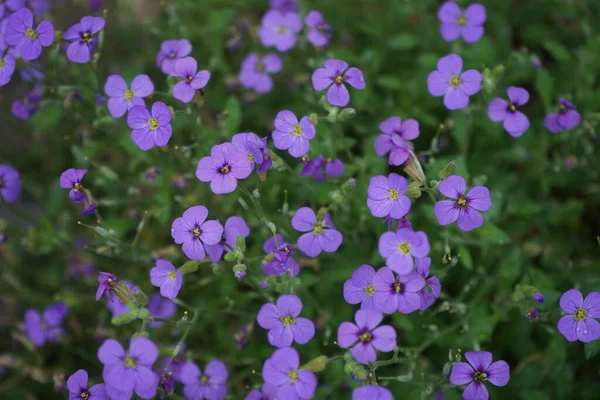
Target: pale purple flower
(394, 139)
(170, 52)
(291, 135)
(448, 81)
(10, 183)
(319, 32)
(282, 370)
(194, 231)
(515, 122)
(366, 335)
(432, 288)
(250, 145)
(166, 277)
(121, 98)
(400, 248)
(283, 323)
(580, 323)
(234, 226)
(187, 68)
(466, 207)
(371, 393)
(279, 258)
(566, 119)
(207, 386)
(279, 30)
(150, 128)
(387, 196)
(359, 288)
(320, 235)
(71, 179)
(334, 76)
(223, 168)
(255, 71)
(397, 293)
(456, 23)
(81, 36)
(78, 389)
(7, 67)
(27, 39)
(46, 327)
(478, 370)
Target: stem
(177, 348)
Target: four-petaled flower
(210, 385)
(170, 52)
(121, 98)
(279, 30)
(400, 247)
(83, 43)
(279, 258)
(291, 135)
(455, 22)
(394, 139)
(166, 277)
(255, 71)
(106, 284)
(194, 231)
(187, 68)
(515, 122)
(223, 168)
(359, 288)
(465, 207)
(281, 319)
(387, 196)
(566, 119)
(401, 293)
(334, 76)
(448, 81)
(47, 327)
(282, 370)
(250, 145)
(71, 179)
(580, 323)
(478, 370)
(78, 390)
(319, 32)
(321, 235)
(234, 226)
(367, 336)
(28, 41)
(10, 183)
(150, 128)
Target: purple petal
(336, 66)
(410, 129)
(78, 52)
(180, 230)
(272, 63)
(304, 219)
(569, 119)
(437, 83)
(337, 95)
(450, 31)
(142, 86)
(186, 67)
(455, 99)
(117, 107)
(388, 244)
(587, 330)
(303, 330)
(450, 65)
(29, 50)
(446, 212)
(475, 14)
(449, 12)
(472, 33)
(592, 305)
(479, 198)
(571, 300)
(367, 319)
(217, 372)
(223, 183)
(322, 78)
(212, 231)
(92, 24)
(476, 391)
(193, 249)
(289, 304)
(551, 122)
(115, 86)
(498, 373)
(364, 353)
(268, 316)
(384, 338)
(306, 384)
(391, 125)
(309, 244)
(497, 109)
(330, 240)
(347, 334)
(280, 336)
(355, 78)
(517, 96)
(138, 117)
(286, 359)
(516, 123)
(143, 350)
(453, 186)
(110, 352)
(469, 219)
(45, 31)
(461, 374)
(77, 382)
(479, 360)
(471, 81)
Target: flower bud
(414, 190)
(346, 114)
(217, 269)
(239, 271)
(124, 318)
(240, 243)
(448, 169)
(314, 118)
(189, 267)
(413, 168)
(123, 293)
(360, 372)
(317, 364)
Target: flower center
(153, 122)
(293, 375)
(172, 275)
(30, 33)
(454, 81)
(394, 194)
(1, 183)
(461, 20)
(404, 248)
(339, 79)
(398, 288)
(197, 232)
(580, 314)
(461, 202)
(281, 30)
(77, 186)
(318, 228)
(85, 395)
(480, 376)
(128, 95)
(130, 362)
(226, 169)
(260, 67)
(287, 320)
(1, 63)
(85, 37)
(370, 290)
(297, 130)
(190, 78)
(250, 157)
(365, 336)
(204, 380)
(511, 107)
(172, 55)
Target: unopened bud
(189, 267)
(448, 169)
(124, 318)
(321, 213)
(217, 269)
(413, 168)
(123, 293)
(414, 190)
(239, 271)
(317, 364)
(346, 114)
(314, 118)
(360, 372)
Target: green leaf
(47, 116)
(234, 115)
(510, 268)
(402, 41)
(490, 233)
(591, 349)
(240, 243)
(464, 255)
(558, 51)
(544, 84)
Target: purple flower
(160, 307)
(187, 68)
(432, 288)
(25, 108)
(279, 260)
(47, 327)
(7, 68)
(334, 168)
(170, 52)
(210, 386)
(255, 71)
(319, 33)
(150, 128)
(279, 30)
(538, 298)
(335, 74)
(580, 323)
(394, 139)
(10, 183)
(319, 236)
(223, 168)
(71, 179)
(28, 41)
(281, 319)
(282, 370)
(368, 336)
(121, 98)
(455, 22)
(83, 44)
(250, 145)
(465, 207)
(400, 247)
(291, 135)
(371, 393)
(566, 119)
(401, 293)
(78, 390)
(267, 161)
(193, 231)
(285, 6)
(359, 288)
(532, 313)
(448, 81)
(387, 196)
(132, 370)
(106, 282)
(39, 7)
(266, 392)
(10, 6)
(96, 5)
(166, 277)
(234, 226)
(515, 122)
(479, 370)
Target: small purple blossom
(532, 313)
(170, 52)
(366, 335)
(448, 81)
(166, 277)
(121, 98)
(334, 76)
(250, 145)
(27, 39)
(187, 68)
(394, 139)
(580, 323)
(47, 327)
(24, 109)
(371, 393)
(432, 289)
(538, 298)
(282, 370)
(7, 67)
(210, 385)
(279, 260)
(78, 389)
(478, 370)
(150, 128)
(223, 168)
(281, 319)
(291, 135)
(279, 30)
(82, 41)
(515, 122)
(387, 196)
(566, 119)
(194, 231)
(456, 23)
(313, 167)
(359, 288)
(320, 235)
(10, 183)
(319, 32)
(400, 248)
(71, 179)
(234, 226)
(401, 293)
(466, 207)
(106, 282)
(255, 71)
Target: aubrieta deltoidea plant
(272, 204)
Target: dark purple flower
(255, 71)
(319, 33)
(9, 6)
(187, 68)
(401, 293)
(532, 313)
(71, 179)
(366, 335)
(7, 68)
(78, 390)
(82, 41)
(223, 168)
(455, 22)
(358, 289)
(96, 5)
(130, 371)
(334, 76)
(150, 128)
(432, 288)
(291, 135)
(320, 235)
(166, 277)
(580, 323)
(515, 122)
(566, 119)
(250, 145)
(234, 226)
(371, 393)
(279, 30)
(25, 108)
(170, 52)
(479, 370)
(313, 167)
(160, 307)
(121, 98)
(334, 168)
(47, 327)
(28, 41)
(106, 282)
(193, 231)
(282, 370)
(448, 81)
(285, 6)
(267, 161)
(281, 319)
(10, 183)
(400, 247)
(210, 386)
(465, 207)
(538, 298)
(394, 139)
(278, 260)
(151, 174)
(387, 196)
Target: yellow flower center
(153, 122)
(1, 63)
(225, 169)
(287, 320)
(461, 20)
(461, 202)
(318, 228)
(512, 107)
(197, 232)
(172, 55)
(370, 290)
(394, 194)
(85, 395)
(85, 37)
(190, 78)
(260, 67)
(250, 157)
(454, 81)
(30, 33)
(297, 130)
(580, 314)
(172, 275)
(398, 288)
(480, 376)
(404, 248)
(281, 30)
(130, 362)
(128, 95)
(204, 380)
(293, 375)
(339, 79)
(365, 336)
(77, 186)
(1, 183)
